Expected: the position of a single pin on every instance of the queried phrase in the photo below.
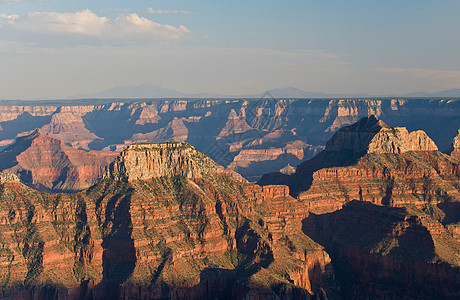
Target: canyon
(384, 203)
(250, 136)
(375, 214)
(47, 164)
(165, 221)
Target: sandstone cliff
(47, 164)
(370, 135)
(454, 150)
(146, 161)
(380, 165)
(376, 215)
(165, 222)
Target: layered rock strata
(388, 252)
(376, 215)
(233, 132)
(454, 150)
(165, 222)
(348, 188)
(47, 164)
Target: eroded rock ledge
(371, 135)
(146, 161)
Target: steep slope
(165, 222)
(351, 189)
(374, 162)
(47, 164)
(388, 253)
(454, 150)
(168, 222)
(371, 145)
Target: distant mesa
(134, 91)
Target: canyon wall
(250, 136)
(385, 204)
(165, 222)
(376, 214)
(47, 164)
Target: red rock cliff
(179, 227)
(48, 164)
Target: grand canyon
(250, 136)
(220, 150)
(157, 199)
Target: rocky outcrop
(166, 222)
(371, 135)
(5, 177)
(369, 240)
(368, 151)
(388, 252)
(454, 150)
(47, 164)
(230, 131)
(147, 161)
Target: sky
(60, 48)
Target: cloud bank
(86, 27)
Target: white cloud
(85, 27)
(9, 18)
(150, 10)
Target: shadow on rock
(119, 256)
(377, 250)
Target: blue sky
(56, 49)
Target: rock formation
(370, 135)
(388, 252)
(165, 222)
(234, 133)
(146, 161)
(351, 190)
(454, 150)
(376, 215)
(47, 164)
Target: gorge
(374, 215)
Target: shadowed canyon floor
(375, 216)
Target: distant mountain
(155, 91)
(446, 93)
